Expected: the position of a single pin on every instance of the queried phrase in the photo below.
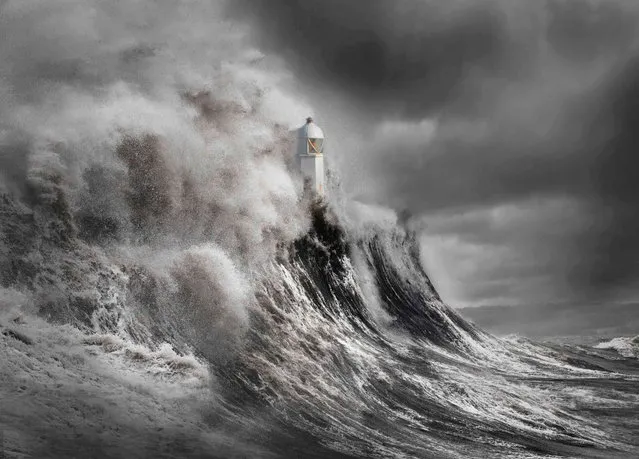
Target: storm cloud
(508, 127)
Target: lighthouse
(310, 155)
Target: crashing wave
(625, 346)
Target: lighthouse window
(315, 146)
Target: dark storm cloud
(528, 101)
(420, 56)
(581, 30)
(613, 242)
(412, 59)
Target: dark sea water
(346, 351)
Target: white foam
(625, 346)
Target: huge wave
(168, 290)
(334, 345)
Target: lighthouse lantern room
(310, 155)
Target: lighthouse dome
(310, 139)
(310, 130)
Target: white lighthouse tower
(310, 155)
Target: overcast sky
(508, 127)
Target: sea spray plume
(122, 82)
(113, 149)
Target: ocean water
(335, 344)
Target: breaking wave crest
(625, 346)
